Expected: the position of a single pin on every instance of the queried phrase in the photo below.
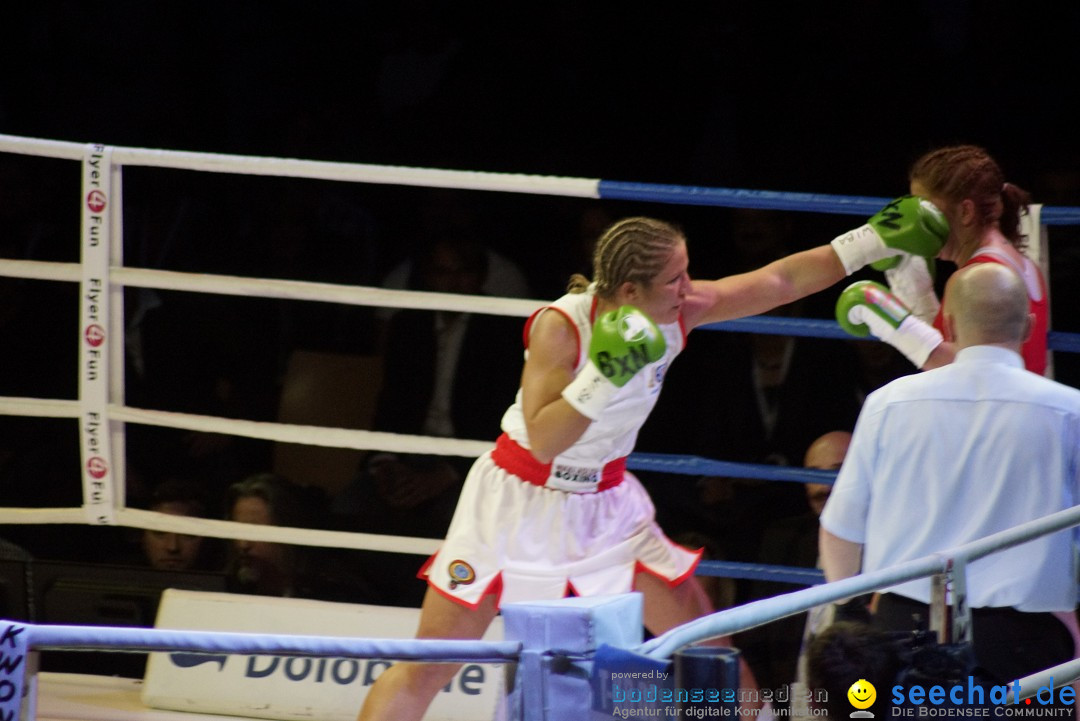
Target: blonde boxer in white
(524, 530)
(551, 510)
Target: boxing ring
(546, 677)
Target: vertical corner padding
(14, 651)
(95, 341)
(559, 640)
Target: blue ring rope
(818, 328)
(760, 572)
(697, 466)
(864, 206)
(804, 327)
(776, 200)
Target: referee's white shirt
(944, 457)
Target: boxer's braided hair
(632, 249)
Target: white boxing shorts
(525, 542)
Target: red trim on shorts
(514, 459)
(640, 567)
(493, 588)
(422, 574)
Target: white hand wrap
(911, 282)
(914, 338)
(860, 247)
(590, 392)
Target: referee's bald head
(987, 304)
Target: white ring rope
(154, 521)
(40, 270)
(308, 435)
(275, 288)
(38, 407)
(314, 169)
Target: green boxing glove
(623, 342)
(866, 308)
(908, 225)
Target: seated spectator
(826, 453)
(267, 568)
(179, 551)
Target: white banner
(93, 329)
(297, 688)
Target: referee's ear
(948, 326)
(1029, 328)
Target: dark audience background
(822, 97)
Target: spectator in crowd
(269, 568)
(179, 551)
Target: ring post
(707, 679)
(14, 671)
(99, 492)
(559, 640)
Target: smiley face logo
(862, 694)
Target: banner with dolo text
(297, 688)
